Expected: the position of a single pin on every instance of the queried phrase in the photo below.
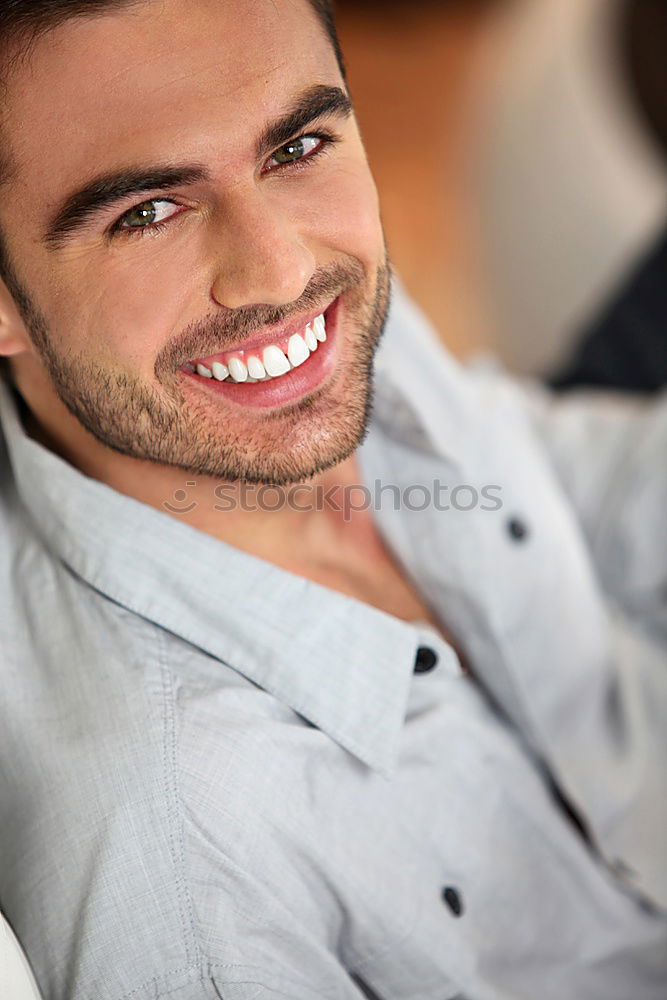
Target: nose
(261, 258)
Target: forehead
(158, 80)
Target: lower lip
(287, 388)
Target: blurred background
(520, 149)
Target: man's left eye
(297, 149)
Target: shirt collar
(343, 665)
(421, 397)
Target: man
(302, 696)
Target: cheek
(125, 312)
(340, 210)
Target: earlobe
(14, 338)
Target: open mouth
(272, 372)
(262, 364)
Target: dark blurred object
(645, 37)
(627, 347)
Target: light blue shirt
(221, 780)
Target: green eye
(148, 215)
(292, 151)
(297, 149)
(141, 215)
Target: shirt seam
(199, 963)
(193, 953)
(154, 981)
(192, 943)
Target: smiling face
(190, 203)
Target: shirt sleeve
(234, 983)
(256, 987)
(610, 749)
(609, 451)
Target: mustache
(222, 332)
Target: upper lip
(276, 334)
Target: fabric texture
(219, 779)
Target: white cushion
(16, 978)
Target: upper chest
(420, 880)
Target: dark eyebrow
(317, 102)
(106, 189)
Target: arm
(609, 451)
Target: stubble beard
(282, 447)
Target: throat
(361, 566)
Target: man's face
(256, 230)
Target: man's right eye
(149, 215)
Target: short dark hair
(22, 22)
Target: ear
(14, 337)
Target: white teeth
(275, 361)
(320, 328)
(310, 338)
(220, 371)
(238, 370)
(255, 368)
(297, 352)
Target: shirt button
(452, 898)
(517, 529)
(426, 660)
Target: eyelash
(327, 141)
